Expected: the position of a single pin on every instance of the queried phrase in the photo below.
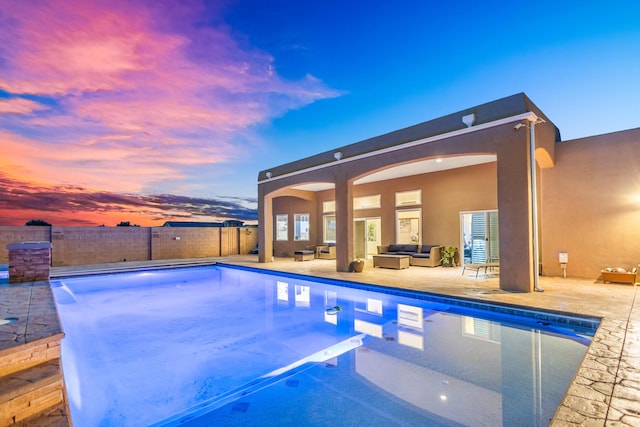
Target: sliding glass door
(480, 236)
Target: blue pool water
(222, 345)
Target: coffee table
(391, 261)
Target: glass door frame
(488, 249)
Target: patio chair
(326, 251)
(489, 264)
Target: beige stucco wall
(295, 205)
(591, 205)
(96, 245)
(444, 195)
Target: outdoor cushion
(395, 248)
(304, 252)
(398, 253)
(427, 248)
(421, 255)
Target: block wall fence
(98, 245)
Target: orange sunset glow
(130, 111)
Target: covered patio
(502, 130)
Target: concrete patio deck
(606, 389)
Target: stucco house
(494, 180)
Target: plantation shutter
(478, 236)
(494, 245)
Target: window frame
(298, 222)
(285, 231)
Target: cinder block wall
(12, 234)
(97, 245)
(179, 242)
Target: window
(282, 227)
(329, 229)
(366, 202)
(329, 206)
(405, 198)
(408, 226)
(301, 226)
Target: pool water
(220, 345)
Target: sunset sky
(155, 110)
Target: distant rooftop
(228, 223)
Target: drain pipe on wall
(534, 202)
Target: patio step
(22, 356)
(31, 385)
(29, 393)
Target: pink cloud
(109, 165)
(19, 106)
(138, 91)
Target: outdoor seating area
(419, 255)
(309, 253)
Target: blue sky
(158, 110)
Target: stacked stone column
(29, 261)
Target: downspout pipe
(534, 202)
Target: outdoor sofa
(421, 255)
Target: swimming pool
(223, 345)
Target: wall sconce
(269, 175)
(337, 155)
(469, 119)
(176, 238)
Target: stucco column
(514, 207)
(344, 223)
(265, 219)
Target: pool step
(28, 393)
(31, 384)
(20, 357)
(56, 416)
